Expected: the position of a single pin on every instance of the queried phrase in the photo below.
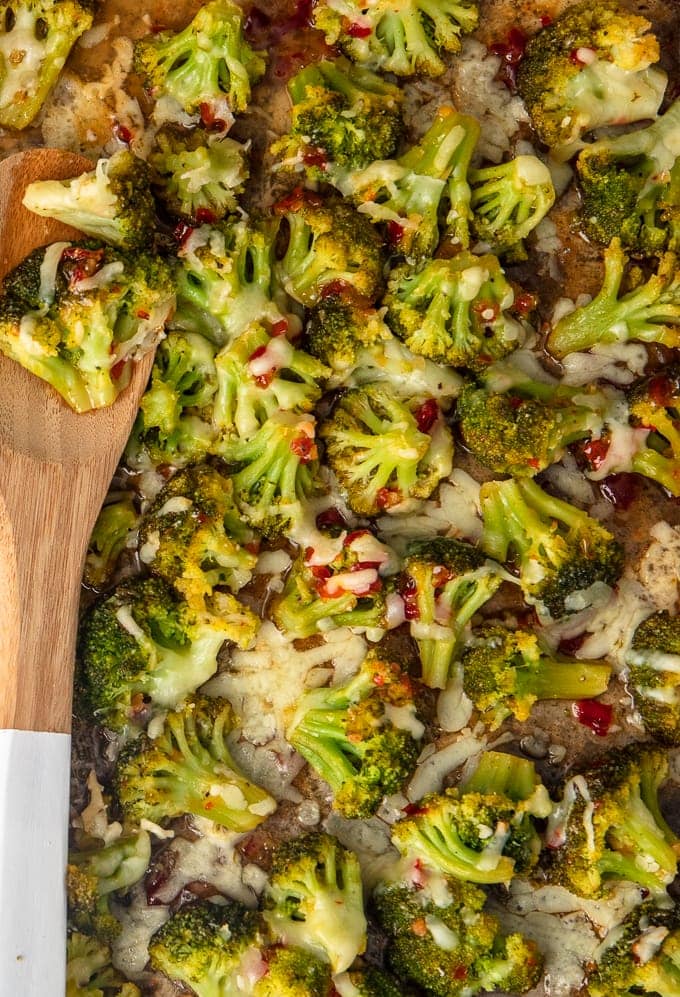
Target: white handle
(34, 785)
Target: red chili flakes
(596, 452)
(334, 287)
(117, 370)
(259, 352)
(296, 200)
(661, 390)
(545, 20)
(355, 29)
(208, 119)
(314, 156)
(141, 313)
(419, 927)
(330, 518)
(510, 52)
(388, 497)
(426, 415)
(204, 216)
(279, 328)
(525, 303)
(395, 233)
(596, 716)
(123, 133)
(620, 489)
(182, 232)
(305, 448)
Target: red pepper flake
(320, 571)
(296, 200)
(123, 133)
(426, 415)
(334, 287)
(661, 390)
(510, 52)
(304, 447)
(596, 716)
(117, 370)
(264, 380)
(545, 20)
(419, 927)
(182, 232)
(259, 352)
(141, 313)
(279, 328)
(620, 489)
(354, 535)
(330, 519)
(525, 303)
(204, 216)
(414, 810)
(388, 497)
(202, 517)
(515, 401)
(355, 29)
(534, 462)
(208, 119)
(395, 233)
(460, 973)
(596, 452)
(313, 156)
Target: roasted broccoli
(442, 939)
(113, 203)
(188, 769)
(630, 187)
(75, 315)
(174, 422)
(342, 115)
(207, 69)
(327, 243)
(654, 405)
(406, 193)
(397, 37)
(314, 899)
(194, 539)
(293, 972)
(588, 68)
(454, 311)
(89, 972)
(444, 583)
(370, 982)
(641, 956)
(352, 338)
(649, 312)
(508, 201)
(94, 874)
(385, 450)
(557, 549)
(608, 826)
(654, 675)
(197, 175)
(141, 648)
(116, 523)
(505, 672)
(361, 736)
(36, 38)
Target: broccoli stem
(507, 775)
(563, 680)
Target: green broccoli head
(446, 942)
(76, 315)
(116, 524)
(557, 549)
(370, 982)
(314, 899)
(293, 972)
(207, 68)
(401, 38)
(653, 406)
(89, 971)
(443, 584)
(509, 200)
(188, 769)
(206, 946)
(641, 956)
(173, 425)
(654, 675)
(455, 311)
(353, 340)
(649, 312)
(588, 68)
(46, 31)
(113, 203)
(406, 194)
(630, 187)
(198, 176)
(142, 648)
(384, 450)
(361, 736)
(505, 672)
(327, 243)
(342, 114)
(609, 827)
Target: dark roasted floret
(642, 956)
(654, 675)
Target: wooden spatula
(55, 469)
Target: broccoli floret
(641, 956)
(384, 450)
(89, 971)
(444, 583)
(192, 537)
(446, 942)
(608, 826)
(204, 945)
(188, 769)
(343, 115)
(454, 311)
(348, 591)
(113, 203)
(352, 338)
(654, 404)
(649, 313)
(360, 736)
(590, 67)
(274, 471)
(506, 672)
(314, 899)
(482, 831)
(173, 425)
(630, 187)
(95, 874)
(207, 68)
(556, 548)
(225, 281)
(37, 36)
(293, 972)
(509, 200)
(75, 315)
(406, 193)
(525, 429)
(654, 676)
(197, 175)
(327, 243)
(402, 38)
(370, 982)
(116, 524)
(259, 374)
(142, 648)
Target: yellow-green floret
(654, 675)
